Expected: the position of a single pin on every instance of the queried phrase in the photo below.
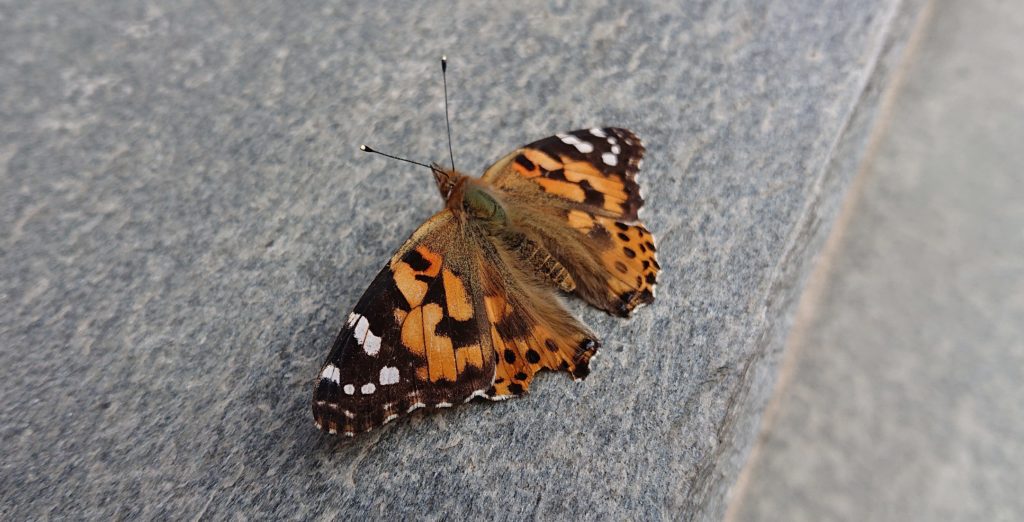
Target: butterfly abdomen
(535, 256)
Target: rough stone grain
(186, 221)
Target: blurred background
(901, 394)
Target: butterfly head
(446, 180)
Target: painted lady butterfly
(468, 306)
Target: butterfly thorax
(467, 197)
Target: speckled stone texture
(186, 221)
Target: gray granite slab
(185, 221)
(904, 400)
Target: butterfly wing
(415, 338)
(593, 170)
(578, 192)
(530, 329)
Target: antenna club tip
(444, 62)
(362, 148)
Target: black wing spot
(525, 162)
(558, 174)
(416, 260)
(581, 370)
(591, 196)
(461, 333)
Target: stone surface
(186, 221)
(905, 398)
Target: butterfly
(469, 305)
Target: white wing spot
(362, 326)
(349, 389)
(598, 132)
(368, 388)
(616, 149)
(371, 344)
(365, 338)
(331, 373)
(388, 375)
(610, 159)
(580, 145)
(612, 140)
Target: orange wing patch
(533, 159)
(634, 266)
(459, 306)
(440, 308)
(572, 180)
(420, 262)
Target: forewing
(589, 169)
(414, 339)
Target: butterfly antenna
(364, 148)
(447, 123)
